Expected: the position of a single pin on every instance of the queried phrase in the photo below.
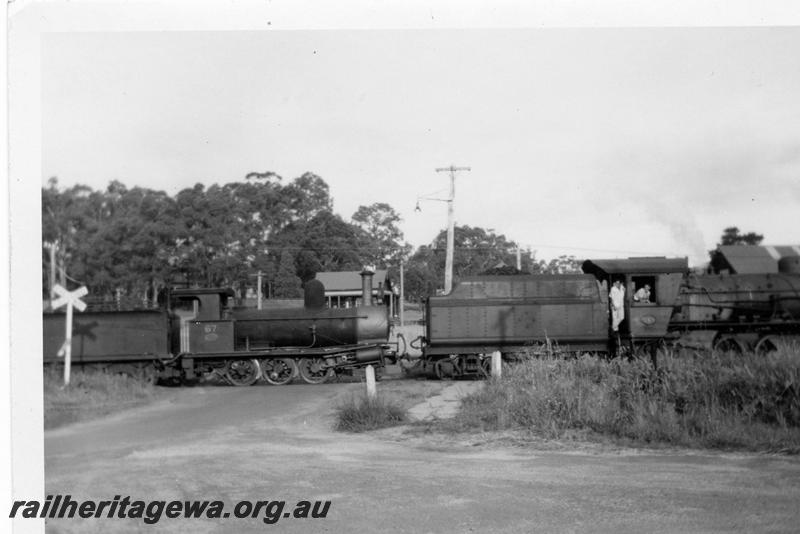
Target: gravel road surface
(276, 443)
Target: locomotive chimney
(366, 285)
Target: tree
(564, 264)
(71, 218)
(307, 196)
(222, 230)
(731, 236)
(476, 250)
(324, 243)
(384, 243)
(132, 248)
(117, 239)
(197, 235)
(287, 285)
(421, 275)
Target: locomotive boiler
(518, 313)
(310, 326)
(738, 312)
(197, 331)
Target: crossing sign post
(70, 299)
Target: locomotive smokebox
(366, 285)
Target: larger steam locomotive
(515, 313)
(197, 331)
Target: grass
(361, 414)
(724, 401)
(90, 394)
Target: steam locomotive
(196, 332)
(511, 314)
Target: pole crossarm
(452, 169)
(70, 298)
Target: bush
(360, 414)
(716, 400)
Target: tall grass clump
(361, 413)
(719, 400)
(90, 393)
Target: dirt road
(276, 443)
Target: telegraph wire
(525, 248)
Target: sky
(594, 142)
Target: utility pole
(402, 302)
(52, 247)
(259, 289)
(259, 295)
(448, 267)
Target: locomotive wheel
(242, 372)
(437, 369)
(278, 371)
(444, 369)
(766, 345)
(313, 370)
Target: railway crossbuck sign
(70, 299)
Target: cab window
(643, 289)
(185, 306)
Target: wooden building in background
(343, 289)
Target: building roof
(180, 292)
(351, 280)
(744, 259)
(636, 266)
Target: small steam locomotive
(197, 331)
(515, 313)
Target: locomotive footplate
(345, 355)
(284, 352)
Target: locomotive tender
(515, 313)
(196, 332)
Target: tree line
(135, 241)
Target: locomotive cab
(201, 320)
(646, 319)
